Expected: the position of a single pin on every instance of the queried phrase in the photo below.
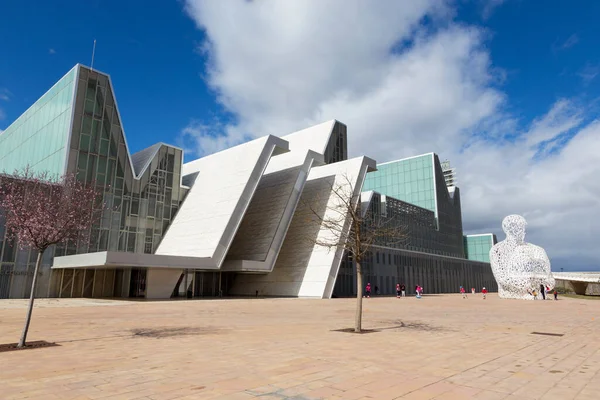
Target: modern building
(449, 173)
(435, 254)
(237, 222)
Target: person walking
(543, 291)
(484, 291)
(403, 289)
(368, 290)
(463, 292)
(397, 290)
(418, 290)
(555, 295)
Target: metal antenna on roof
(93, 53)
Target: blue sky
(148, 51)
(151, 54)
(469, 74)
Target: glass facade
(410, 180)
(337, 148)
(420, 182)
(414, 193)
(385, 267)
(477, 247)
(39, 137)
(449, 214)
(142, 199)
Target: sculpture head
(514, 227)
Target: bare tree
(354, 227)
(41, 211)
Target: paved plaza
(438, 347)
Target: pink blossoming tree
(41, 211)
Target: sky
(507, 90)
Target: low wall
(592, 289)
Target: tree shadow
(28, 346)
(160, 333)
(352, 330)
(412, 325)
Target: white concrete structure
(223, 186)
(588, 277)
(245, 212)
(580, 282)
(304, 269)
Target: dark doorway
(212, 284)
(137, 284)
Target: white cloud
(589, 72)
(489, 6)
(567, 44)
(2, 114)
(5, 94)
(562, 118)
(51, 51)
(281, 66)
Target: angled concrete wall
(257, 230)
(161, 282)
(222, 189)
(263, 229)
(302, 268)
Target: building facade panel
(39, 137)
(410, 180)
(303, 268)
(436, 274)
(477, 247)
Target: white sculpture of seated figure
(519, 267)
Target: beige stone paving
(439, 347)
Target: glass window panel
(96, 128)
(102, 162)
(89, 107)
(82, 162)
(103, 147)
(135, 206)
(106, 129)
(9, 252)
(86, 126)
(91, 167)
(115, 118)
(84, 143)
(111, 169)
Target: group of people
(464, 292)
(544, 291)
(400, 290)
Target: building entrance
(204, 284)
(137, 284)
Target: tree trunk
(359, 296)
(31, 299)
